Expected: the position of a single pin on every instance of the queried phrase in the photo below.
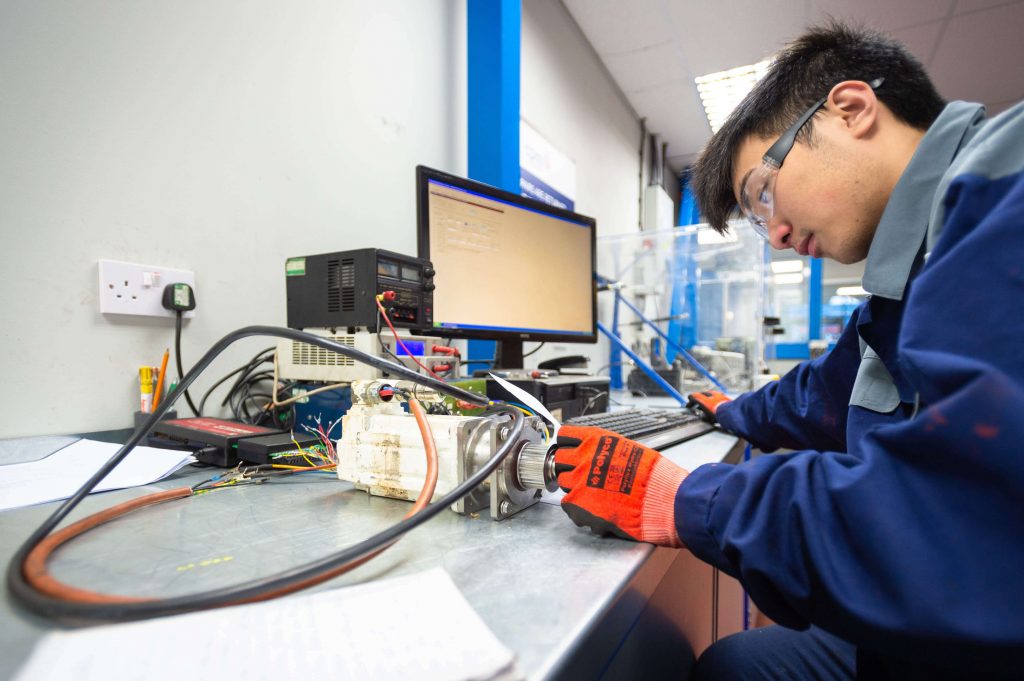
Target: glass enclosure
(790, 286)
(704, 291)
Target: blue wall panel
(493, 46)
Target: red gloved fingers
(707, 403)
(568, 454)
(616, 486)
(596, 524)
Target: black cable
(246, 367)
(245, 376)
(177, 358)
(590, 402)
(535, 349)
(380, 339)
(48, 606)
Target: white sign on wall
(545, 173)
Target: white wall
(214, 136)
(569, 97)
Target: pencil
(160, 379)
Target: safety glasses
(757, 193)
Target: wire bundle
(252, 398)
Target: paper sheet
(531, 402)
(59, 475)
(415, 627)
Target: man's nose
(780, 236)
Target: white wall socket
(127, 288)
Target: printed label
(295, 267)
(602, 461)
(629, 473)
(614, 469)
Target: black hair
(801, 74)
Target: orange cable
(36, 574)
(34, 567)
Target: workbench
(569, 604)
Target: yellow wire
(547, 435)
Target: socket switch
(127, 288)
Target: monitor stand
(509, 355)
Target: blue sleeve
(806, 408)
(913, 545)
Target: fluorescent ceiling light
(792, 278)
(783, 266)
(851, 291)
(720, 92)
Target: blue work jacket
(898, 522)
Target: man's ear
(855, 105)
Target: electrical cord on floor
(177, 359)
(23, 592)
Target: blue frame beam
(814, 316)
(493, 44)
(494, 29)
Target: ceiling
(655, 48)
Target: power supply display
(336, 290)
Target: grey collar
(904, 224)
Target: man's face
(827, 203)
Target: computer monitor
(508, 268)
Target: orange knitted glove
(617, 486)
(705, 404)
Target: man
(890, 544)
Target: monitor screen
(507, 267)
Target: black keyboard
(655, 428)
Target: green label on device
(295, 267)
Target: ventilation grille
(341, 285)
(304, 354)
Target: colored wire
(28, 596)
(530, 412)
(398, 340)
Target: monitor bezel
(423, 177)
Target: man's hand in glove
(617, 486)
(705, 404)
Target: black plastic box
(338, 290)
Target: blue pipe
(675, 346)
(615, 356)
(655, 376)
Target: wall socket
(127, 288)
